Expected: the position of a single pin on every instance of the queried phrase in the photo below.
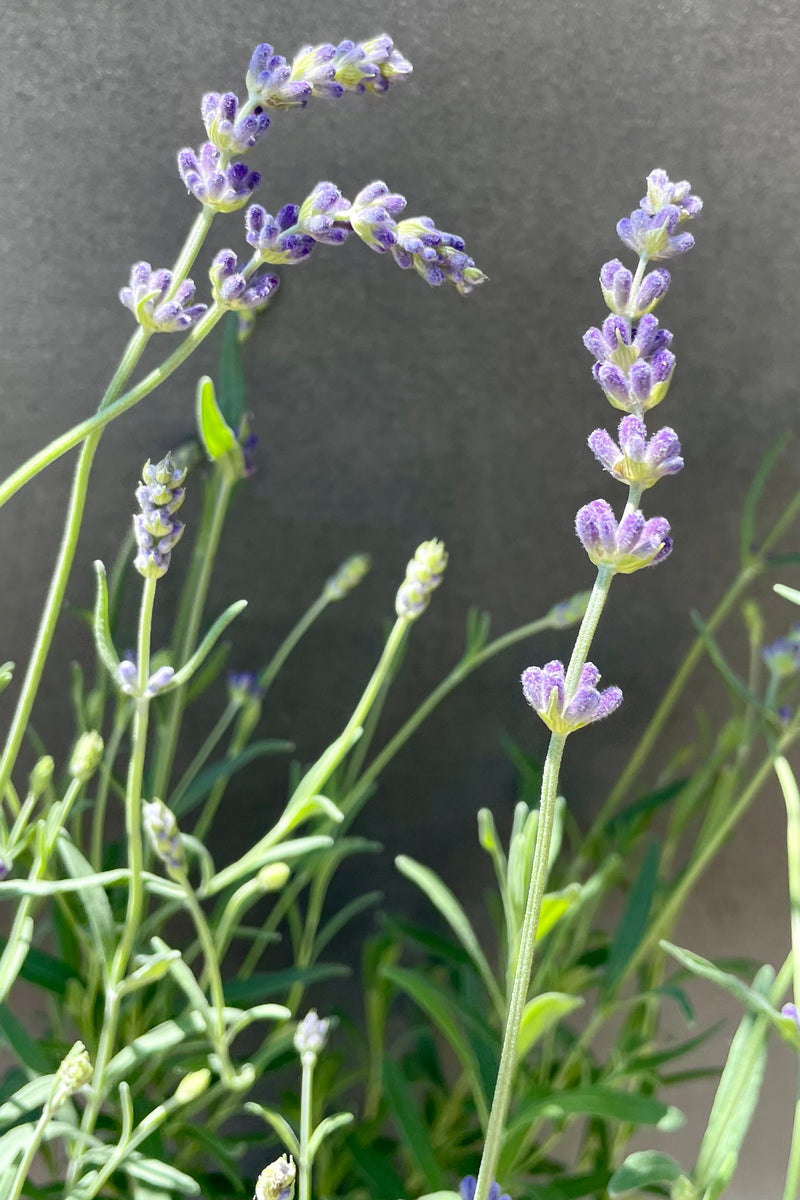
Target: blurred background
(388, 412)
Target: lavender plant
(132, 1090)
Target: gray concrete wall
(389, 412)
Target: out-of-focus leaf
(277, 1122)
(643, 1168)
(257, 987)
(554, 906)
(232, 387)
(633, 923)
(224, 769)
(765, 469)
(93, 899)
(541, 1014)
(414, 1134)
(45, 970)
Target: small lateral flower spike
(74, 1073)
(424, 573)
(156, 528)
(436, 256)
(625, 547)
(231, 287)
(165, 838)
(634, 364)
(635, 460)
(545, 690)
(146, 297)
(230, 132)
(347, 577)
(311, 1036)
(276, 1182)
(214, 182)
(616, 282)
(324, 71)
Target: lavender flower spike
(636, 460)
(469, 1183)
(616, 282)
(276, 1182)
(626, 547)
(156, 528)
(223, 187)
(372, 216)
(165, 838)
(310, 1036)
(230, 286)
(277, 239)
(661, 191)
(424, 573)
(654, 237)
(326, 71)
(435, 255)
(346, 577)
(545, 690)
(229, 132)
(146, 296)
(320, 212)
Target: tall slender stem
(30, 1154)
(306, 1099)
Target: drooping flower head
(545, 690)
(146, 297)
(626, 546)
(436, 256)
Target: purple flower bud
(310, 1036)
(661, 191)
(277, 239)
(635, 460)
(158, 681)
(545, 690)
(321, 215)
(156, 528)
(372, 216)
(165, 838)
(654, 236)
(146, 296)
(244, 688)
(229, 132)
(469, 1183)
(424, 573)
(782, 657)
(325, 71)
(128, 675)
(230, 286)
(625, 547)
(223, 187)
(435, 255)
(790, 1010)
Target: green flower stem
(188, 624)
(789, 787)
(30, 1154)
(121, 722)
(202, 756)
(135, 905)
(120, 1152)
(317, 776)
(501, 1100)
(212, 973)
(267, 677)
(746, 576)
(792, 1189)
(306, 1100)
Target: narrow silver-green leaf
(277, 1122)
(642, 1169)
(541, 1014)
(325, 1128)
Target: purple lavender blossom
(128, 679)
(228, 131)
(244, 688)
(661, 192)
(435, 255)
(636, 460)
(545, 690)
(231, 288)
(469, 1183)
(311, 1035)
(162, 830)
(634, 363)
(146, 296)
(156, 528)
(325, 71)
(215, 183)
(616, 282)
(790, 1010)
(424, 573)
(372, 216)
(277, 239)
(626, 547)
(782, 657)
(653, 236)
(320, 212)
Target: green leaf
(246, 991)
(206, 646)
(750, 997)
(155, 1173)
(633, 923)
(554, 906)
(736, 1098)
(443, 899)
(344, 915)
(765, 469)
(101, 626)
(14, 956)
(207, 674)
(94, 900)
(280, 1125)
(413, 1131)
(216, 435)
(26, 1048)
(376, 1169)
(609, 1104)
(45, 970)
(232, 387)
(444, 1013)
(325, 1128)
(224, 769)
(30, 1097)
(541, 1014)
(151, 1046)
(790, 594)
(570, 1187)
(643, 1168)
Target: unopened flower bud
(86, 756)
(545, 690)
(41, 776)
(156, 528)
(347, 577)
(424, 573)
(165, 838)
(192, 1086)
(628, 546)
(311, 1035)
(274, 876)
(569, 612)
(74, 1073)
(276, 1182)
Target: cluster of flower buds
(231, 287)
(469, 1183)
(147, 298)
(634, 365)
(128, 679)
(424, 573)
(156, 528)
(231, 130)
(74, 1073)
(782, 657)
(347, 577)
(276, 1182)
(221, 185)
(324, 71)
(310, 1037)
(165, 838)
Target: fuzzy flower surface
(634, 459)
(216, 183)
(469, 1183)
(372, 215)
(616, 283)
(424, 573)
(626, 546)
(146, 297)
(311, 1035)
(156, 528)
(325, 71)
(278, 239)
(226, 128)
(545, 690)
(128, 679)
(437, 256)
(165, 838)
(231, 287)
(634, 364)
(319, 212)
